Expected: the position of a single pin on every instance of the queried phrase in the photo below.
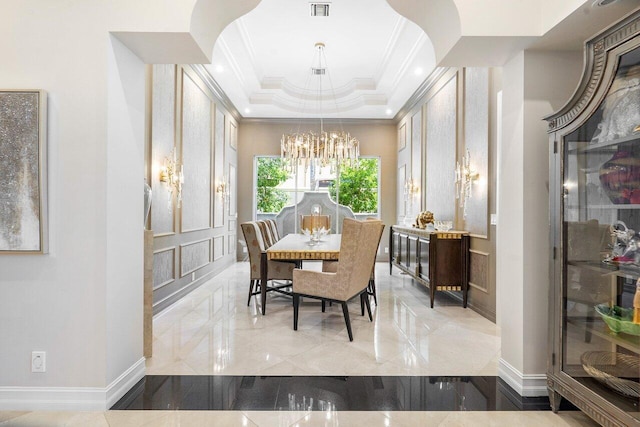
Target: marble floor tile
(295, 419)
(213, 331)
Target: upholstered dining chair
(276, 270)
(332, 267)
(265, 231)
(274, 229)
(358, 247)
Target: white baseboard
(525, 385)
(71, 398)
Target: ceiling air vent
(318, 71)
(319, 9)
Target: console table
(438, 260)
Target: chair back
(255, 246)
(265, 230)
(274, 229)
(358, 249)
(310, 222)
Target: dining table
(296, 248)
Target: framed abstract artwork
(23, 162)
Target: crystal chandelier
(323, 147)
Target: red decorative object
(620, 177)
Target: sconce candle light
(172, 175)
(222, 189)
(464, 181)
(411, 188)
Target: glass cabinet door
(601, 244)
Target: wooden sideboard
(438, 260)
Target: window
(276, 188)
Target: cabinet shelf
(598, 328)
(618, 270)
(604, 147)
(611, 206)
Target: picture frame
(23, 195)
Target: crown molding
(315, 122)
(211, 83)
(420, 92)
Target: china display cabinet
(594, 359)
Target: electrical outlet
(38, 361)
(494, 219)
(386, 249)
(193, 276)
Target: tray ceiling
(375, 60)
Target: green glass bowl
(618, 319)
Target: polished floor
(212, 332)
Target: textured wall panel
(194, 256)
(218, 204)
(416, 160)
(163, 267)
(231, 244)
(218, 247)
(476, 131)
(233, 135)
(402, 201)
(479, 270)
(196, 153)
(162, 141)
(233, 190)
(402, 137)
(441, 152)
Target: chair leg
(362, 302)
(324, 305)
(251, 286)
(372, 287)
(368, 304)
(345, 311)
(296, 304)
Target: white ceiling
(375, 60)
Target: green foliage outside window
(270, 174)
(358, 186)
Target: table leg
(263, 281)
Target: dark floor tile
(326, 393)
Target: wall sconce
(464, 181)
(411, 188)
(222, 189)
(171, 173)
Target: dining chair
(332, 267)
(358, 247)
(276, 270)
(265, 231)
(274, 229)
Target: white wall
(534, 85)
(82, 302)
(125, 189)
